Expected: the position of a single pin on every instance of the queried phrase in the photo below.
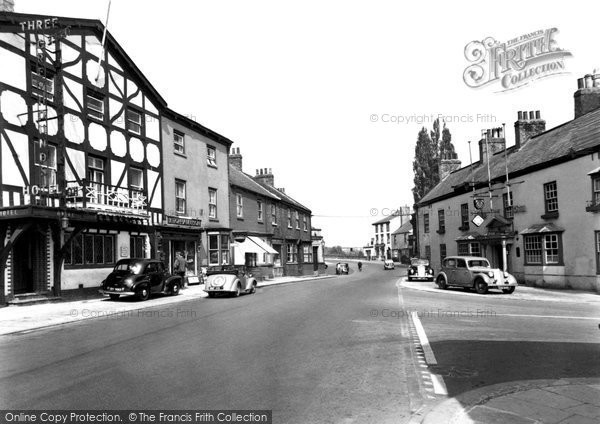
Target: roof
(284, 197)
(193, 125)
(404, 228)
(543, 228)
(242, 180)
(568, 141)
(387, 218)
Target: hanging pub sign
(478, 220)
(479, 203)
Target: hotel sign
(184, 222)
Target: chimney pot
(588, 81)
(538, 115)
(531, 115)
(519, 115)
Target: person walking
(359, 265)
(179, 268)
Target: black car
(140, 278)
(420, 269)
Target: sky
(310, 88)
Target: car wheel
(175, 289)
(481, 287)
(143, 293)
(238, 290)
(114, 296)
(441, 282)
(253, 289)
(509, 290)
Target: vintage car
(388, 264)
(140, 278)
(229, 279)
(342, 268)
(419, 269)
(474, 272)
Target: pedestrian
(179, 268)
(359, 265)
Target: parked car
(140, 278)
(474, 272)
(342, 268)
(420, 269)
(229, 279)
(388, 264)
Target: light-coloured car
(231, 280)
(388, 264)
(474, 272)
(419, 269)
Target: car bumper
(421, 277)
(217, 290)
(501, 285)
(120, 293)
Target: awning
(262, 245)
(254, 245)
(542, 228)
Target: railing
(593, 206)
(102, 196)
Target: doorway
(29, 263)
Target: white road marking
(429, 356)
(438, 385)
(547, 316)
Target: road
(340, 350)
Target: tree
(425, 164)
(446, 146)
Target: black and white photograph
(298, 212)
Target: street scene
(317, 212)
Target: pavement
(564, 401)
(23, 319)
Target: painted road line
(429, 356)
(547, 316)
(438, 385)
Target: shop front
(184, 236)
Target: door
(155, 276)
(461, 274)
(315, 258)
(29, 263)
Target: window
(95, 105)
(212, 203)
(211, 156)
(289, 218)
(180, 196)
(42, 82)
(297, 216)
(239, 202)
(307, 254)
(507, 201)
(91, 249)
(543, 249)
(596, 190)
(273, 215)
(137, 246)
(305, 223)
(388, 239)
(134, 121)
(442, 252)
(551, 197)
(292, 253)
(96, 178)
(426, 223)
(428, 252)
(464, 216)
(469, 249)
(441, 221)
(218, 249)
(179, 142)
(259, 210)
(387, 227)
(597, 236)
(45, 163)
(136, 178)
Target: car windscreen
(479, 263)
(417, 262)
(129, 267)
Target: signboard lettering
(188, 222)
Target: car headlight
(505, 274)
(430, 271)
(411, 271)
(490, 274)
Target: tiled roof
(569, 140)
(284, 197)
(387, 218)
(245, 181)
(404, 228)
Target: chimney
(495, 143)
(449, 164)
(587, 96)
(527, 126)
(265, 176)
(235, 158)
(7, 5)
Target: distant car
(140, 278)
(474, 272)
(229, 279)
(342, 268)
(388, 264)
(420, 269)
